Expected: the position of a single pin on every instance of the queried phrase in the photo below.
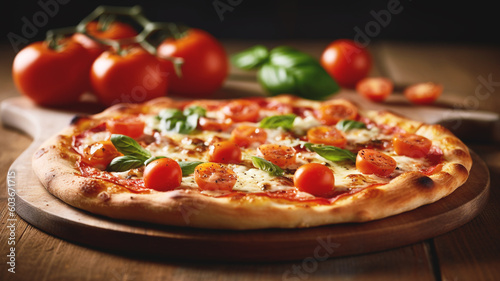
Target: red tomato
(135, 77)
(314, 178)
(115, 30)
(245, 135)
(163, 174)
(346, 62)
(331, 112)
(100, 154)
(376, 89)
(280, 155)
(205, 65)
(326, 135)
(423, 93)
(211, 124)
(225, 152)
(214, 176)
(370, 161)
(281, 108)
(52, 77)
(242, 110)
(411, 145)
(129, 126)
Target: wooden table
(471, 252)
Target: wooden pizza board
(35, 205)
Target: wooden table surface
(471, 252)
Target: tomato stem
(105, 21)
(54, 37)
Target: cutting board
(35, 205)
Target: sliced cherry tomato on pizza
(370, 161)
(163, 174)
(245, 135)
(314, 178)
(226, 152)
(242, 111)
(133, 76)
(114, 30)
(129, 126)
(280, 155)
(279, 107)
(212, 124)
(214, 176)
(100, 154)
(331, 112)
(346, 61)
(205, 63)
(423, 93)
(326, 135)
(411, 145)
(376, 89)
(52, 76)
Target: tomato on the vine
(52, 76)
(346, 62)
(132, 77)
(115, 30)
(205, 64)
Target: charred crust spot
(40, 153)
(91, 187)
(104, 196)
(76, 119)
(425, 182)
(49, 177)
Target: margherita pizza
(277, 162)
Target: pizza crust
(54, 164)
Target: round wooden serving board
(38, 207)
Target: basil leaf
(188, 167)
(170, 113)
(198, 110)
(267, 166)
(313, 82)
(276, 79)
(124, 163)
(278, 121)
(331, 153)
(289, 57)
(174, 120)
(250, 58)
(153, 159)
(346, 125)
(129, 147)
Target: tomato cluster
(58, 72)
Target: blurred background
(436, 21)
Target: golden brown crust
(54, 164)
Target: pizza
(252, 163)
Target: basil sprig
(263, 164)
(346, 125)
(278, 121)
(331, 153)
(136, 156)
(182, 122)
(287, 70)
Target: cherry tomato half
(225, 152)
(370, 161)
(129, 126)
(326, 135)
(134, 77)
(100, 154)
(163, 174)
(280, 155)
(423, 93)
(214, 176)
(205, 65)
(411, 145)
(115, 30)
(52, 77)
(211, 124)
(346, 62)
(314, 178)
(331, 112)
(376, 89)
(242, 110)
(245, 135)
